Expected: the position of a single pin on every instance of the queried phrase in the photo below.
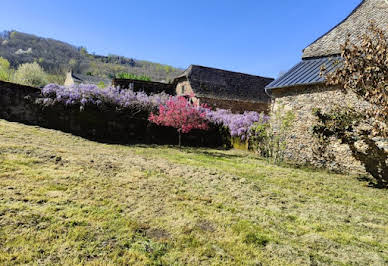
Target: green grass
(66, 200)
(132, 76)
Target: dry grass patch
(66, 200)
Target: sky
(260, 37)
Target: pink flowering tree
(182, 115)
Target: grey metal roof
(306, 72)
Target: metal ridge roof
(306, 72)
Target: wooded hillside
(56, 57)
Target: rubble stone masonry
(300, 140)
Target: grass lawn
(67, 200)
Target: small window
(183, 89)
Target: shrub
(5, 72)
(260, 140)
(84, 95)
(179, 113)
(132, 76)
(239, 125)
(101, 84)
(30, 74)
(365, 73)
(269, 138)
(55, 78)
(349, 127)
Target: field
(67, 200)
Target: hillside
(66, 200)
(57, 57)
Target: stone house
(224, 89)
(302, 88)
(75, 79)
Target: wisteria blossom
(239, 125)
(88, 94)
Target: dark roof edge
(359, 5)
(74, 76)
(140, 81)
(229, 99)
(235, 72)
(321, 56)
(294, 85)
(185, 73)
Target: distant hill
(56, 57)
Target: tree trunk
(179, 138)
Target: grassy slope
(67, 200)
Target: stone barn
(224, 89)
(76, 79)
(302, 88)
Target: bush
(55, 78)
(363, 73)
(269, 138)
(101, 84)
(5, 72)
(239, 125)
(348, 126)
(30, 74)
(260, 140)
(132, 76)
(84, 95)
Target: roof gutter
(269, 94)
(292, 86)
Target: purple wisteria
(239, 125)
(88, 94)
(83, 95)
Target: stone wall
(183, 88)
(235, 106)
(23, 104)
(15, 102)
(300, 141)
(148, 87)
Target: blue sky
(262, 37)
